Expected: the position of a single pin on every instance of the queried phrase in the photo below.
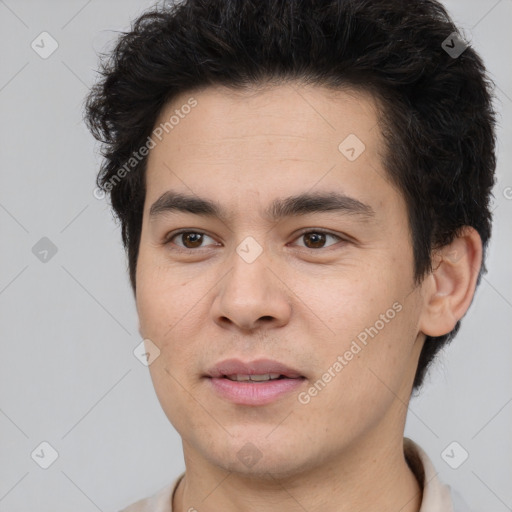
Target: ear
(449, 288)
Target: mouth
(265, 377)
(257, 370)
(257, 382)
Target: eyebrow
(302, 204)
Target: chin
(263, 459)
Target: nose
(252, 295)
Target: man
(303, 190)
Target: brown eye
(316, 239)
(194, 239)
(189, 239)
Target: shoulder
(437, 496)
(161, 501)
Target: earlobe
(450, 287)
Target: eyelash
(171, 236)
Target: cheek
(372, 325)
(171, 315)
(155, 300)
(345, 304)
(386, 355)
(157, 282)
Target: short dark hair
(435, 109)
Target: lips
(235, 367)
(254, 383)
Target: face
(324, 287)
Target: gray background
(68, 375)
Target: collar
(436, 495)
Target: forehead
(266, 140)
(299, 113)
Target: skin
(298, 303)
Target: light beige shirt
(437, 497)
